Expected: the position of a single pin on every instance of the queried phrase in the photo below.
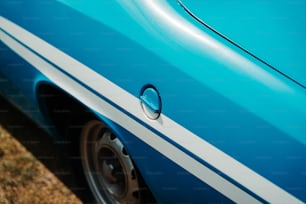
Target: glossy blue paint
(272, 30)
(207, 84)
(204, 56)
(18, 82)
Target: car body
(209, 109)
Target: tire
(107, 166)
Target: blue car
(176, 101)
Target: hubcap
(108, 167)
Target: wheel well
(67, 117)
(64, 113)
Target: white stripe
(218, 159)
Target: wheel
(108, 167)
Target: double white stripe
(175, 132)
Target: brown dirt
(23, 179)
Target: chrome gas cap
(150, 102)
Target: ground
(52, 156)
(23, 179)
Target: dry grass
(23, 179)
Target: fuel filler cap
(150, 102)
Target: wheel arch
(60, 109)
(66, 117)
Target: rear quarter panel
(222, 110)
